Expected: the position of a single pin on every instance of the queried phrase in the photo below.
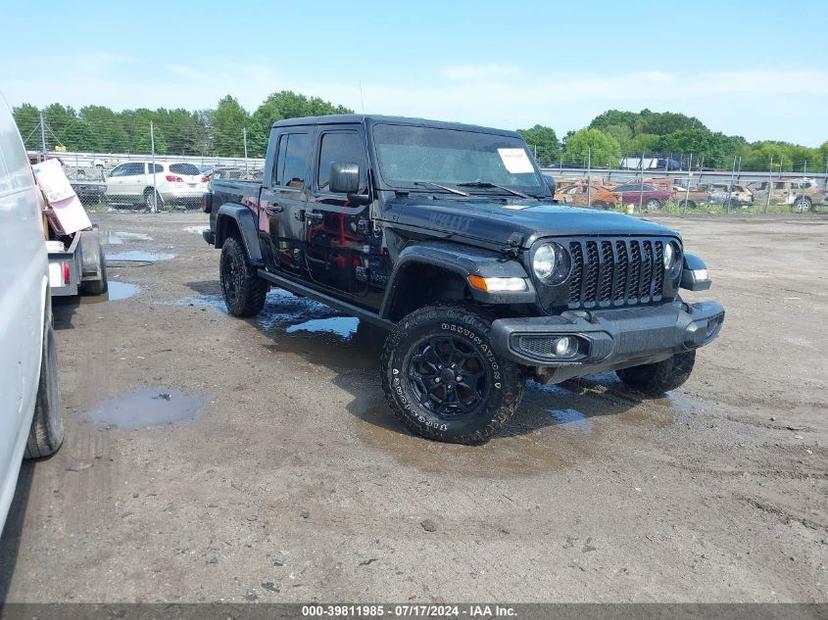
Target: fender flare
(247, 228)
(463, 261)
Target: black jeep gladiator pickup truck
(449, 236)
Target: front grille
(615, 272)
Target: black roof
(378, 118)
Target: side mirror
(344, 178)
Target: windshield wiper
(487, 185)
(437, 185)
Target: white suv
(175, 183)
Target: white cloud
(756, 103)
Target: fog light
(566, 346)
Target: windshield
(410, 156)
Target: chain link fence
(133, 161)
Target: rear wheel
(801, 205)
(688, 204)
(655, 379)
(152, 199)
(244, 291)
(653, 204)
(46, 434)
(91, 247)
(442, 378)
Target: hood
(498, 221)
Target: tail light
(174, 179)
(66, 273)
(205, 179)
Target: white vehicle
(175, 183)
(30, 409)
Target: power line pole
(244, 136)
(687, 189)
(770, 184)
(589, 176)
(42, 135)
(154, 184)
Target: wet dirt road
(209, 458)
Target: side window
(341, 147)
(158, 168)
(188, 169)
(279, 163)
(118, 171)
(295, 165)
(131, 170)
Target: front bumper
(608, 339)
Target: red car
(650, 196)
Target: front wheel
(655, 379)
(653, 204)
(444, 381)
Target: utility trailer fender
(79, 268)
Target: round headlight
(672, 257)
(544, 261)
(550, 263)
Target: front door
(338, 233)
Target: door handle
(275, 209)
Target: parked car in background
(30, 411)
(740, 196)
(575, 193)
(800, 194)
(175, 183)
(648, 195)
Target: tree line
(220, 131)
(616, 134)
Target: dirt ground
(215, 459)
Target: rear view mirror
(344, 178)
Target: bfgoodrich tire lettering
(498, 383)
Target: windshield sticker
(516, 161)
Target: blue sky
(758, 69)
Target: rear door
(283, 198)
(337, 232)
(191, 177)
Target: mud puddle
(118, 238)
(147, 407)
(116, 292)
(139, 256)
(310, 330)
(571, 420)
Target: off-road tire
(46, 433)
(503, 379)
(802, 204)
(656, 379)
(244, 291)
